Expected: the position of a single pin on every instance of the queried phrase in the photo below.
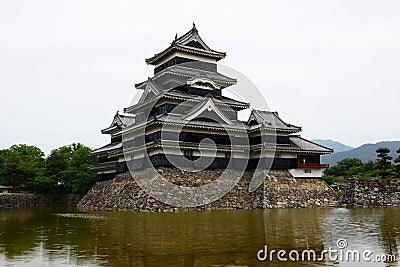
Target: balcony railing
(313, 165)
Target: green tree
(369, 166)
(383, 161)
(57, 164)
(343, 167)
(66, 169)
(397, 161)
(42, 183)
(69, 166)
(22, 164)
(3, 178)
(82, 179)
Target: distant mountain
(337, 146)
(364, 153)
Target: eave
(179, 71)
(110, 130)
(259, 147)
(183, 48)
(259, 127)
(105, 150)
(197, 99)
(181, 145)
(111, 165)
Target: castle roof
(297, 144)
(270, 120)
(118, 122)
(149, 98)
(189, 43)
(107, 148)
(307, 145)
(183, 72)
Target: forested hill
(365, 152)
(337, 146)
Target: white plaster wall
(299, 173)
(286, 155)
(268, 154)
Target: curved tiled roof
(184, 72)
(307, 145)
(183, 44)
(269, 119)
(106, 148)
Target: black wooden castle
(183, 104)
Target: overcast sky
(66, 67)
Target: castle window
(188, 154)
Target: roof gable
(190, 43)
(115, 126)
(150, 91)
(252, 120)
(206, 105)
(196, 44)
(202, 81)
(117, 121)
(193, 39)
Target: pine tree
(397, 161)
(383, 161)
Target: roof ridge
(188, 33)
(288, 124)
(180, 43)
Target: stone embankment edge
(372, 193)
(34, 200)
(279, 190)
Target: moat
(64, 237)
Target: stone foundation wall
(372, 193)
(33, 200)
(279, 190)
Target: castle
(184, 104)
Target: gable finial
(194, 27)
(176, 36)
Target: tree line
(381, 168)
(64, 170)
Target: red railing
(313, 165)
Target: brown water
(60, 237)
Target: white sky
(332, 67)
